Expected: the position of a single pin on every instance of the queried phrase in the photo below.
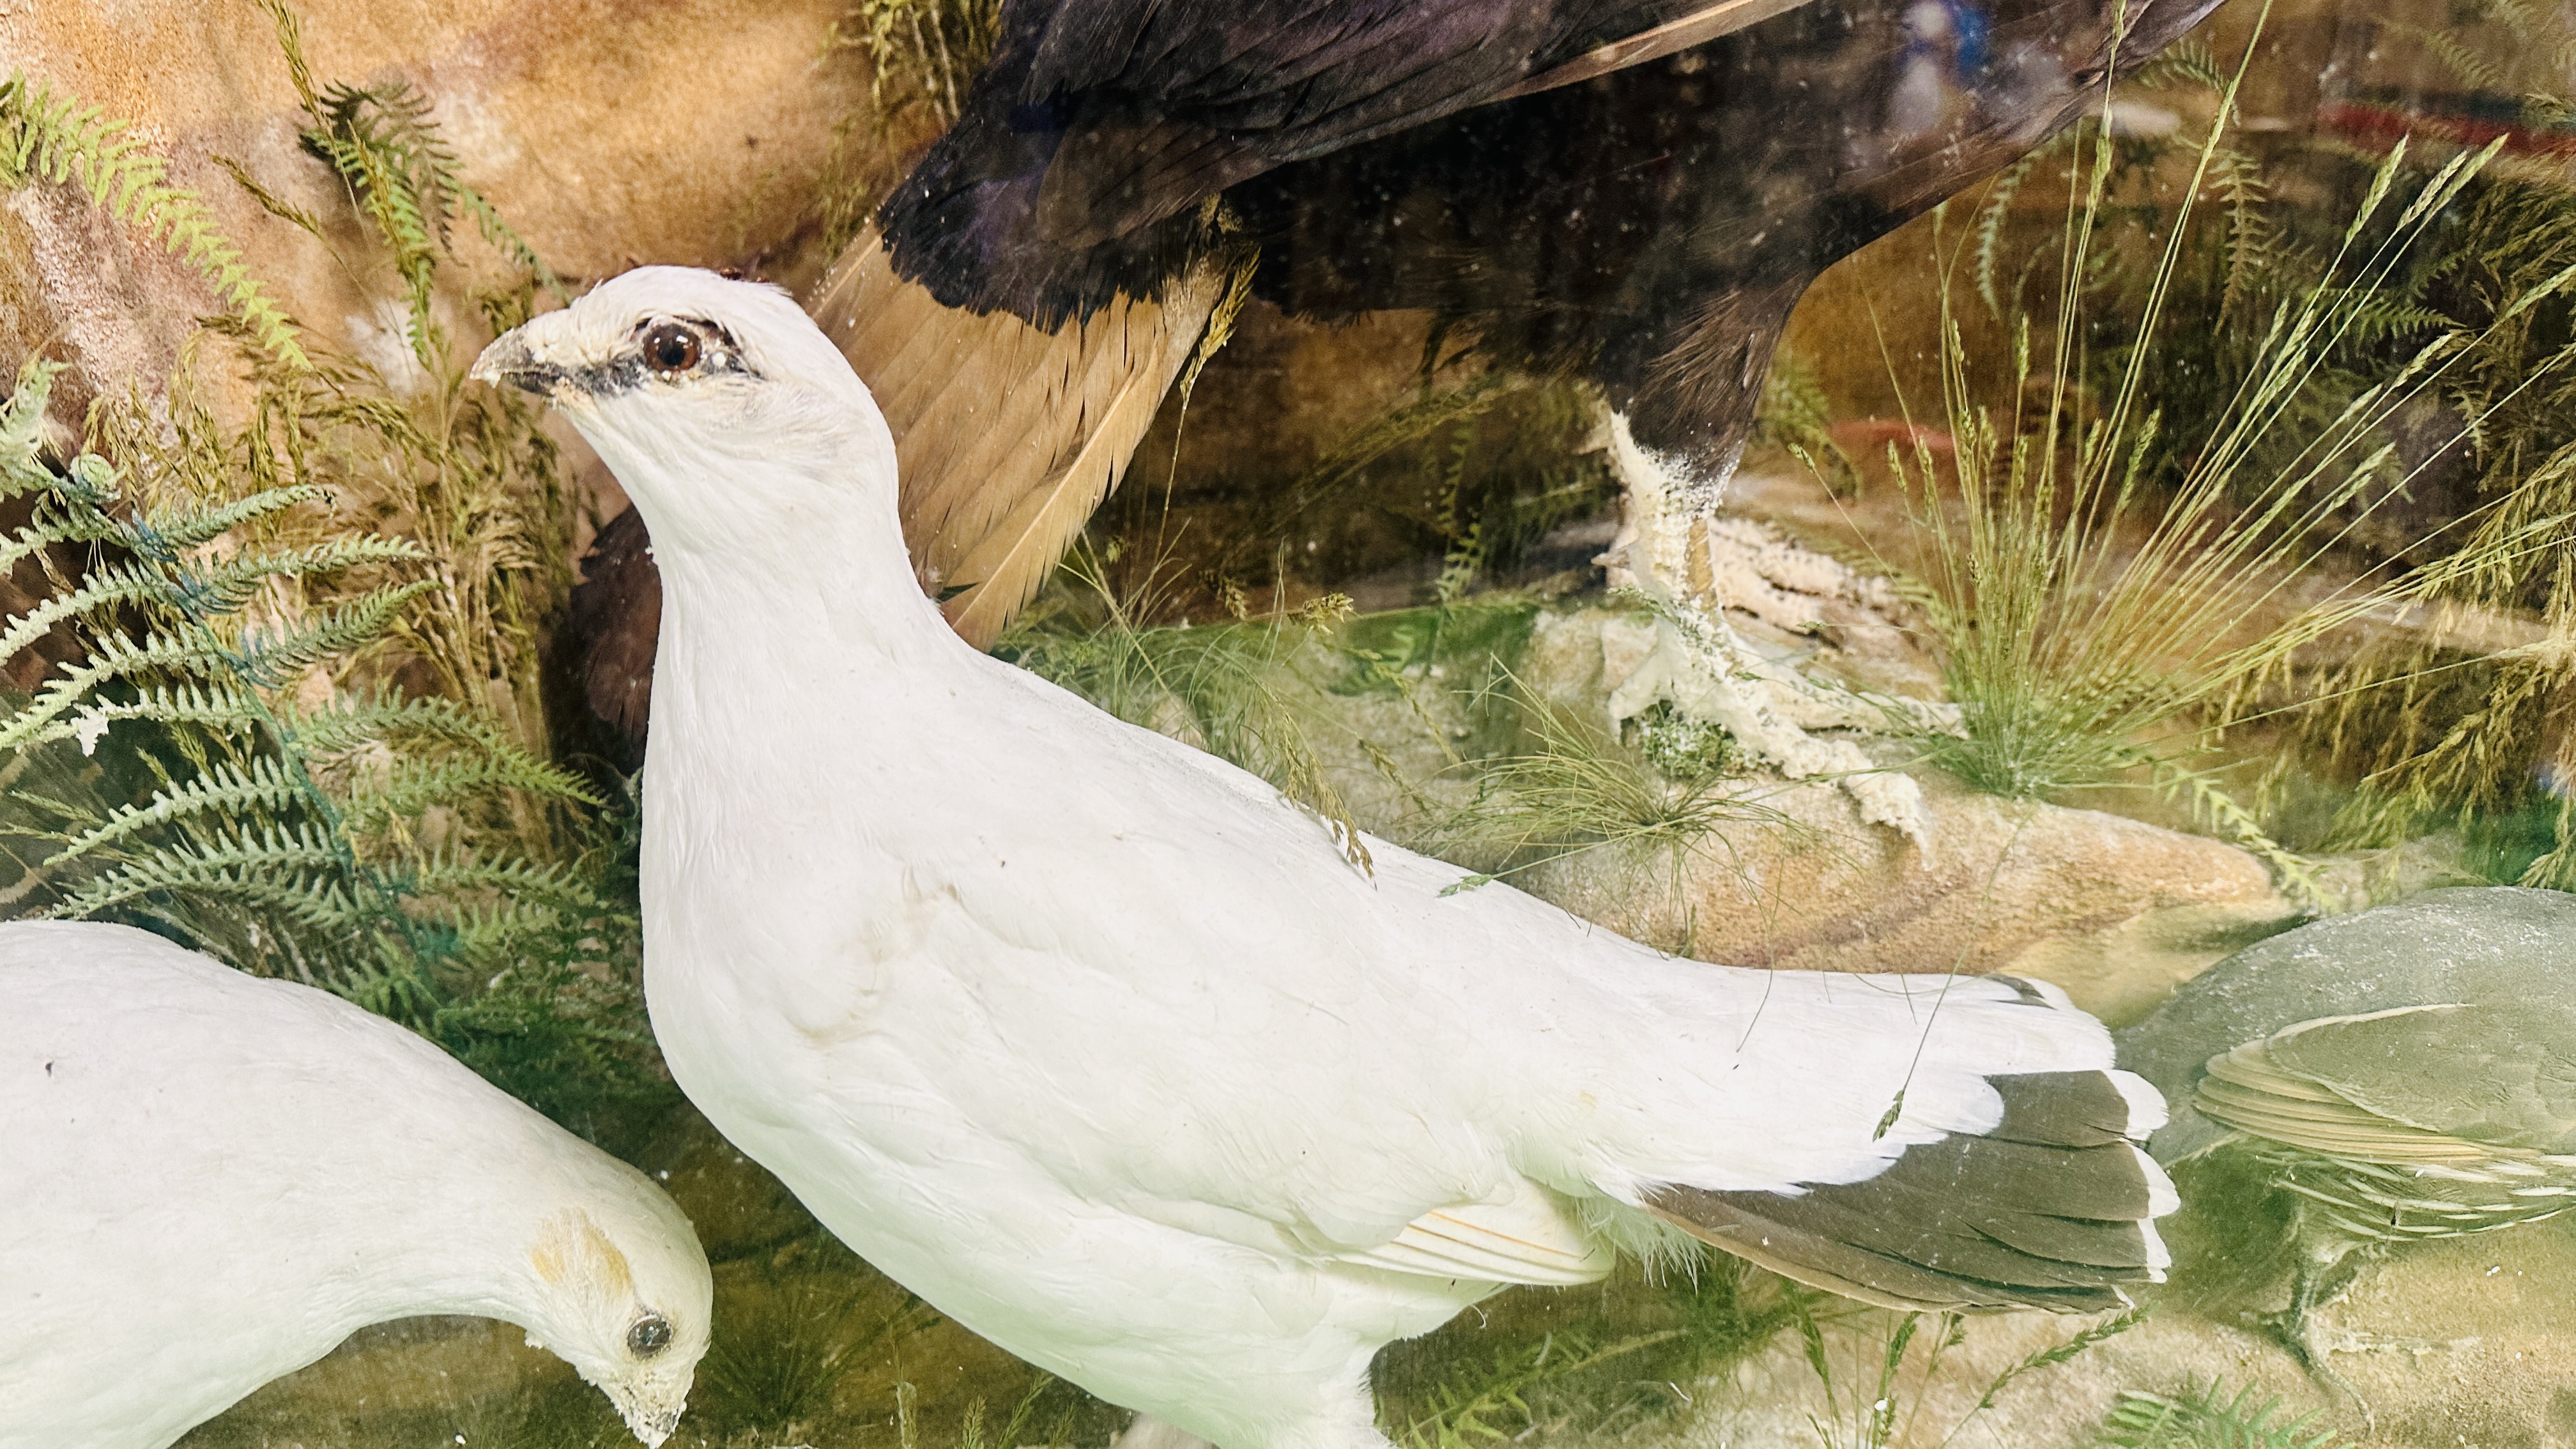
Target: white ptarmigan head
(626, 1303)
(724, 411)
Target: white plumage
(1109, 1053)
(209, 1180)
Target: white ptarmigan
(209, 1180)
(1099, 1046)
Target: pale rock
(2115, 910)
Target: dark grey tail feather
(2062, 1109)
(2051, 1210)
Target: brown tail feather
(2052, 1210)
(1007, 437)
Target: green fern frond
(22, 431)
(274, 661)
(2471, 67)
(401, 174)
(1988, 226)
(235, 581)
(2202, 1419)
(33, 541)
(219, 590)
(452, 877)
(412, 786)
(2190, 62)
(490, 931)
(262, 786)
(166, 533)
(218, 706)
(48, 135)
(383, 714)
(102, 590)
(113, 656)
(293, 868)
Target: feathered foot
(1704, 669)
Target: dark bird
(2403, 1074)
(1630, 192)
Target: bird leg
(1342, 1426)
(2321, 1276)
(1147, 1432)
(1704, 669)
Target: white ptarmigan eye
(671, 349)
(650, 1335)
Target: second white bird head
(726, 413)
(629, 1308)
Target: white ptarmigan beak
(651, 1425)
(510, 362)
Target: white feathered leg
(1352, 1424)
(1707, 672)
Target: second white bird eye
(650, 1335)
(670, 349)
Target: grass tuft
(2095, 622)
(1218, 687)
(1574, 788)
(1587, 1363)
(781, 1348)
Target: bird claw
(1667, 544)
(1700, 667)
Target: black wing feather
(2050, 1209)
(1088, 144)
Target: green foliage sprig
(285, 836)
(2437, 729)
(401, 176)
(216, 746)
(49, 135)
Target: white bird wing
(1294, 1055)
(1527, 1237)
